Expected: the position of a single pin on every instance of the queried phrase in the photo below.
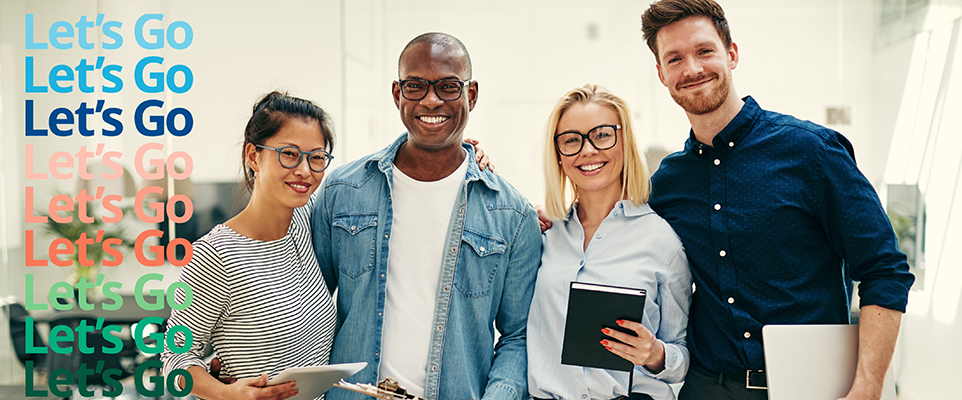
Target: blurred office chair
(71, 362)
(17, 314)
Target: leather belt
(752, 379)
(632, 396)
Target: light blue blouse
(633, 247)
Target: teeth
(591, 167)
(299, 186)
(433, 119)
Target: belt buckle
(759, 381)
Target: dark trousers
(700, 384)
(637, 396)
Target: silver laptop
(813, 362)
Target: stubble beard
(703, 104)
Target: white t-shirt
(422, 214)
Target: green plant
(73, 231)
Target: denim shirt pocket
(353, 232)
(477, 268)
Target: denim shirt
(492, 254)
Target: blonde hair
(634, 175)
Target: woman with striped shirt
(258, 295)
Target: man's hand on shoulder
(479, 156)
(215, 372)
(543, 221)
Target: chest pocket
(478, 263)
(354, 240)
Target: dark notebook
(592, 307)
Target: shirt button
(722, 253)
(385, 236)
(382, 275)
(717, 162)
(584, 396)
(434, 368)
(731, 144)
(454, 249)
(597, 236)
(353, 227)
(699, 151)
(378, 314)
(717, 207)
(731, 300)
(445, 288)
(481, 249)
(747, 335)
(376, 353)
(439, 328)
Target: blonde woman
(605, 233)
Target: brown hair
(663, 12)
(269, 115)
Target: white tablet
(314, 381)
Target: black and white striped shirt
(263, 306)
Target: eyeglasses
(602, 137)
(290, 157)
(446, 89)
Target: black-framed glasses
(447, 89)
(602, 137)
(291, 156)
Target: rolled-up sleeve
(860, 231)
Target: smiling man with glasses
(428, 253)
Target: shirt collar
(732, 135)
(631, 210)
(385, 161)
(627, 206)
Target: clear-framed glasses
(602, 137)
(291, 156)
(446, 89)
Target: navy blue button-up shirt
(777, 222)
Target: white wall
(924, 151)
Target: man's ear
(661, 76)
(733, 56)
(396, 92)
(472, 94)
